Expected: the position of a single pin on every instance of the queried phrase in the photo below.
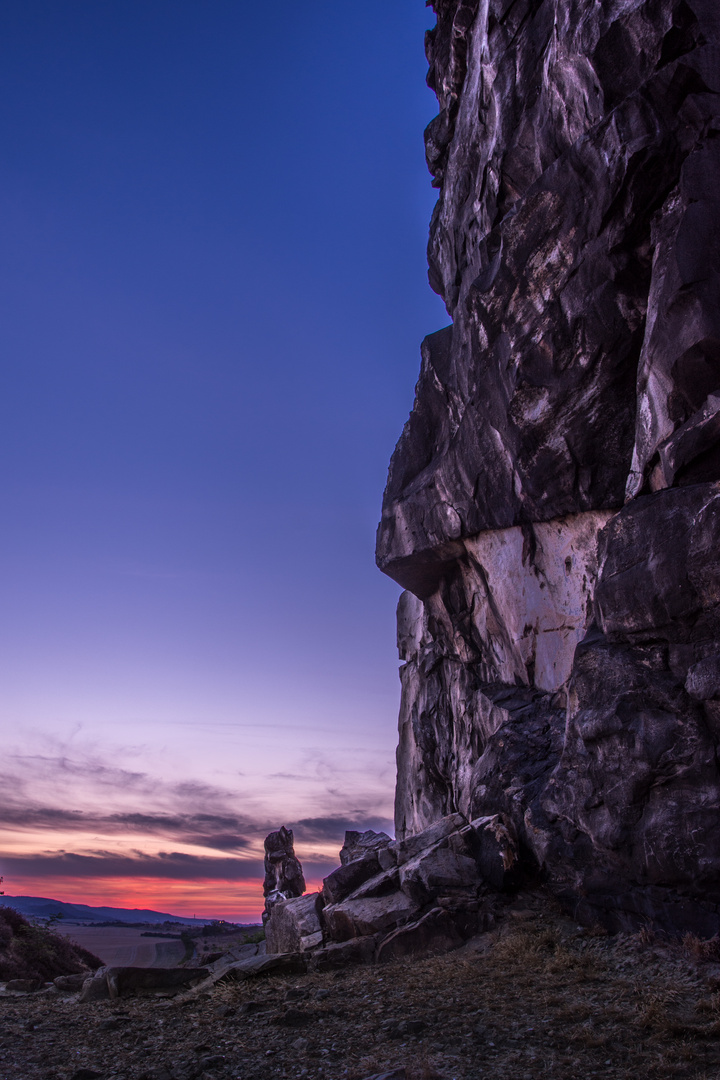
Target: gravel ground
(535, 998)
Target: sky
(213, 219)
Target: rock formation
(553, 504)
(283, 872)
(389, 899)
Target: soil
(538, 997)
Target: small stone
(300, 1044)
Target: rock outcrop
(419, 896)
(553, 504)
(283, 872)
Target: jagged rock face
(284, 878)
(551, 505)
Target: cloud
(86, 813)
(102, 864)
(223, 832)
(168, 865)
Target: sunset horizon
(201, 392)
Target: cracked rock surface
(552, 503)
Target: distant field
(124, 946)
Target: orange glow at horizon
(236, 901)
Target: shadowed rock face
(283, 872)
(552, 504)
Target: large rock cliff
(553, 504)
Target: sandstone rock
(95, 988)
(433, 934)
(387, 881)
(407, 848)
(358, 844)
(348, 877)
(560, 644)
(438, 871)
(362, 918)
(279, 963)
(126, 980)
(114, 982)
(294, 925)
(283, 872)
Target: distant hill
(40, 907)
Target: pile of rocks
(420, 896)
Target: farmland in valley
(122, 946)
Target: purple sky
(212, 294)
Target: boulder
(275, 963)
(406, 849)
(95, 988)
(343, 881)
(435, 933)
(358, 844)
(294, 925)
(385, 882)
(363, 918)
(114, 982)
(122, 981)
(438, 871)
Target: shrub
(34, 952)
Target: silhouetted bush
(33, 952)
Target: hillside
(42, 907)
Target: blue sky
(212, 295)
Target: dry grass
(539, 999)
(34, 952)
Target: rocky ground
(536, 997)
